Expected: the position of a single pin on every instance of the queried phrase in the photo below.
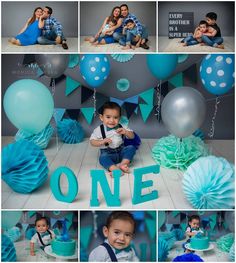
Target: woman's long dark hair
(33, 18)
(112, 16)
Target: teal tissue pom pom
(13, 233)
(232, 253)
(70, 131)
(122, 57)
(209, 183)
(199, 133)
(169, 237)
(171, 153)
(163, 249)
(122, 84)
(8, 250)
(24, 166)
(41, 139)
(225, 242)
(179, 233)
(29, 233)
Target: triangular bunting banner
(168, 227)
(88, 114)
(183, 226)
(151, 227)
(191, 73)
(136, 110)
(145, 111)
(73, 113)
(133, 99)
(147, 96)
(101, 99)
(58, 114)
(24, 227)
(57, 231)
(120, 102)
(71, 85)
(175, 213)
(152, 214)
(57, 80)
(85, 235)
(86, 93)
(53, 221)
(31, 213)
(177, 80)
(39, 72)
(69, 222)
(130, 108)
(213, 221)
(73, 60)
(225, 225)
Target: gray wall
(15, 15)
(137, 72)
(224, 10)
(93, 14)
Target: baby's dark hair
(203, 22)
(129, 21)
(49, 9)
(211, 15)
(110, 105)
(121, 215)
(196, 217)
(112, 19)
(42, 218)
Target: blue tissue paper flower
(13, 233)
(122, 57)
(8, 250)
(179, 233)
(208, 183)
(199, 133)
(169, 238)
(70, 131)
(24, 166)
(232, 253)
(190, 257)
(41, 139)
(163, 249)
(29, 233)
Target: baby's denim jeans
(109, 156)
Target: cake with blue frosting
(63, 248)
(199, 242)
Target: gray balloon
(52, 66)
(183, 111)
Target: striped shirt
(51, 23)
(137, 23)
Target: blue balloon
(28, 105)
(94, 69)
(217, 73)
(162, 66)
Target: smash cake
(63, 248)
(199, 242)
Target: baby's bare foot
(124, 168)
(221, 46)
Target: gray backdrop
(15, 15)
(224, 10)
(92, 15)
(137, 72)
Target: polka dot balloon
(94, 69)
(217, 73)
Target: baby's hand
(106, 140)
(121, 131)
(32, 253)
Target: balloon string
(228, 95)
(94, 102)
(158, 107)
(178, 152)
(212, 130)
(53, 122)
(95, 225)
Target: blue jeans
(129, 37)
(117, 36)
(49, 38)
(212, 41)
(109, 157)
(190, 41)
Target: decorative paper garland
(225, 242)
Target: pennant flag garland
(57, 80)
(213, 221)
(73, 60)
(145, 111)
(71, 85)
(133, 99)
(58, 114)
(147, 96)
(175, 213)
(85, 236)
(73, 113)
(177, 80)
(69, 220)
(88, 114)
(53, 221)
(118, 101)
(151, 227)
(24, 227)
(168, 227)
(183, 226)
(39, 72)
(31, 213)
(130, 108)
(86, 93)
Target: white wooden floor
(85, 46)
(214, 255)
(172, 45)
(82, 157)
(71, 42)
